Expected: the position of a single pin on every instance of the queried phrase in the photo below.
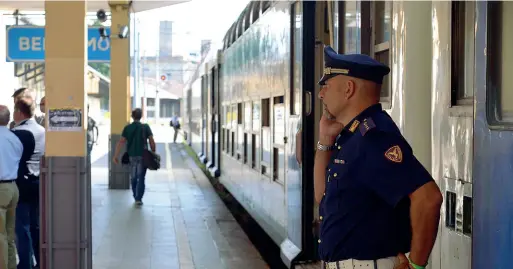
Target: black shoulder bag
(151, 160)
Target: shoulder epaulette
(367, 125)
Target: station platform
(182, 224)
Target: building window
(462, 53)
(499, 68)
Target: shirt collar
(353, 124)
(24, 121)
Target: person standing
(136, 136)
(11, 153)
(175, 123)
(42, 107)
(19, 93)
(92, 128)
(377, 201)
(27, 212)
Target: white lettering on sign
(38, 43)
(33, 43)
(102, 44)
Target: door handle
(308, 103)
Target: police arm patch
(394, 154)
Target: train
(251, 113)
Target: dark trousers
(27, 233)
(138, 177)
(175, 134)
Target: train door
(452, 129)
(493, 164)
(296, 203)
(205, 109)
(213, 117)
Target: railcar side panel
(493, 207)
(253, 166)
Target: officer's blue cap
(353, 65)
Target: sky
(192, 22)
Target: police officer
(379, 208)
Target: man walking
(27, 212)
(175, 123)
(136, 136)
(11, 150)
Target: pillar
(119, 91)
(65, 184)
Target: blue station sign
(27, 44)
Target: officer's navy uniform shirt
(364, 213)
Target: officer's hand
(328, 129)
(115, 160)
(403, 262)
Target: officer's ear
(350, 88)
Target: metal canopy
(92, 5)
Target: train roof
(248, 16)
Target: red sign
(163, 77)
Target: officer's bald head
(5, 115)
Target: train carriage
(448, 91)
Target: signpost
(65, 120)
(27, 44)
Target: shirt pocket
(342, 171)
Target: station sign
(27, 44)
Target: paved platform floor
(182, 224)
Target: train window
(276, 156)
(296, 65)
(223, 139)
(381, 13)
(450, 209)
(467, 215)
(335, 24)
(265, 5)
(240, 112)
(500, 40)
(253, 150)
(232, 146)
(247, 116)
(255, 11)
(266, 116)
(256, 115)
(462, 53)
(352, 27)
(235, 114)
(279, 120)
(228, 145)
(247, 17)
(245, 148)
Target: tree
(103, 68)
